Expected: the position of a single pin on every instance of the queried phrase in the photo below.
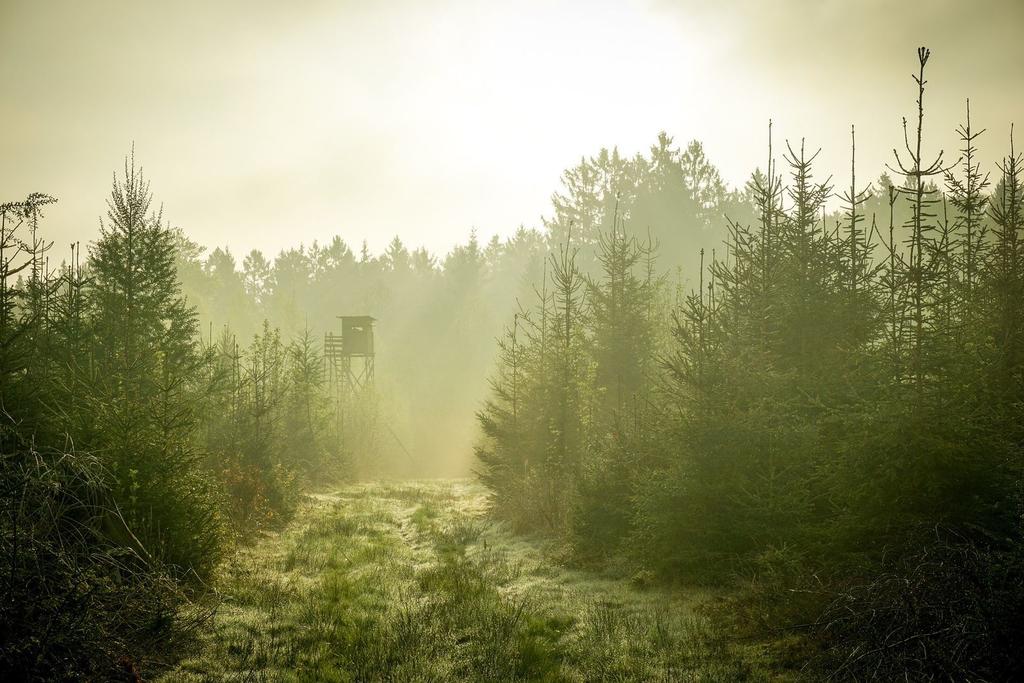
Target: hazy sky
(266, 124)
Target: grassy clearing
(411, 582)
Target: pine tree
(145, 358)
(1007, 272)
(619, 309)
(921, 243)
(21, 290)
(504, 452)
(967, 194)
(306, 420)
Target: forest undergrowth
(413, 582)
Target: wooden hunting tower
(349, 355)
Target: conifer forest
(454, 351)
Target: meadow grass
(412, 582)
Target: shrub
(75, 603)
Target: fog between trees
(806, 396)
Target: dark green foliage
(950, 610)
(270, 424)
(24, 291)
(834, 411)
(504, 457)
(87, 584)
(306, 420)
(126, 443)
(76, 602)
(141, 384)
(533, 456)
(624, 305)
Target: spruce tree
(145, 359)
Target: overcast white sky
(266, 124)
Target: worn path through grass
(412, 582)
